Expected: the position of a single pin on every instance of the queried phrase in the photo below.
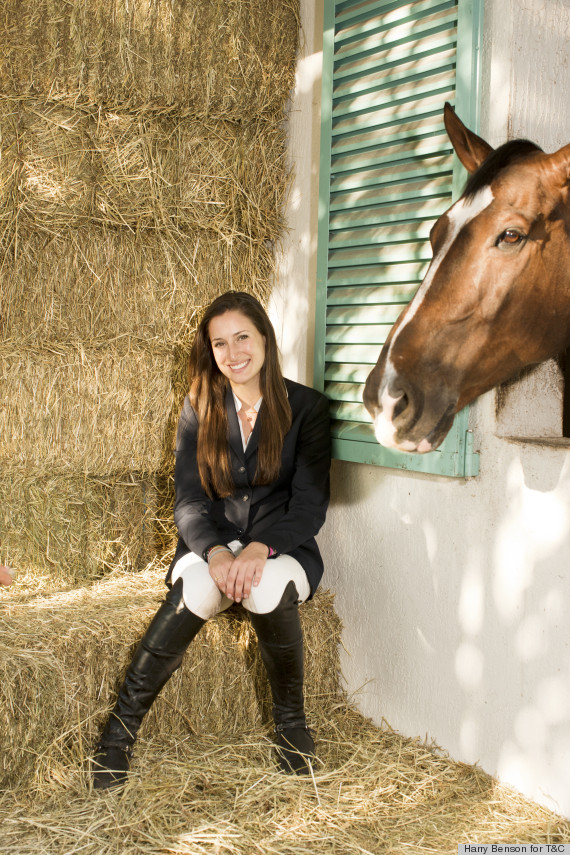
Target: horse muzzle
(406, 417)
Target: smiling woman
(250, 499)
(221, 356)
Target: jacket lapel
(233, 425)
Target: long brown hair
(208, 388)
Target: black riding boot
(157, 657)
(281, 646)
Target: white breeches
(204, 599)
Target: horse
(495, 298)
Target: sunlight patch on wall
(534, 526)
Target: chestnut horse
(495, 298)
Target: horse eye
(510, 237)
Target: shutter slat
(348, 392)
(360, 432)
(436, 193)
(358, 316)
(389, 24)
(387, 153)
(409, 272)
(398, 233)
(436, 187)
(359, 354)
(393, 173)
(403, 37)
(346, 9)
(413, 50)
(401, 131)
(406, 213)
(403, 87)
(351, 374)
(374, 335)
(384, 254)
(349, 412)
(392, 110)
(351, 12)
(372, 295)
(377, 79)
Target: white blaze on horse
(495, 298)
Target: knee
(201, 596)
(175, 596)
(274, 594)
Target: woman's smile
(239, 365)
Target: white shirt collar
(238, 404)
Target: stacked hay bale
(142, 172)
(62, 656)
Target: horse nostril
(400, 405)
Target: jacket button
(245, 498)
(241, 469)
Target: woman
(252, 488)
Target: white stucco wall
(455, 595)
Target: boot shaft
(157, 657)
(280, 639)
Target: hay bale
(69, 529)
(109, 287)
(125, 225)
(203, 778)
(142, 172)
(76, 409)
(63, 656)
(232, 58)
(66, 167)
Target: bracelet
(272, 552)
(213, 549)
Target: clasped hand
(236, 575)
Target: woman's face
(239, 351)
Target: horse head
(495, 298)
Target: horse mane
(507, 154)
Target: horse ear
(471, 149)
(560, 161)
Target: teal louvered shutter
(387, 172)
